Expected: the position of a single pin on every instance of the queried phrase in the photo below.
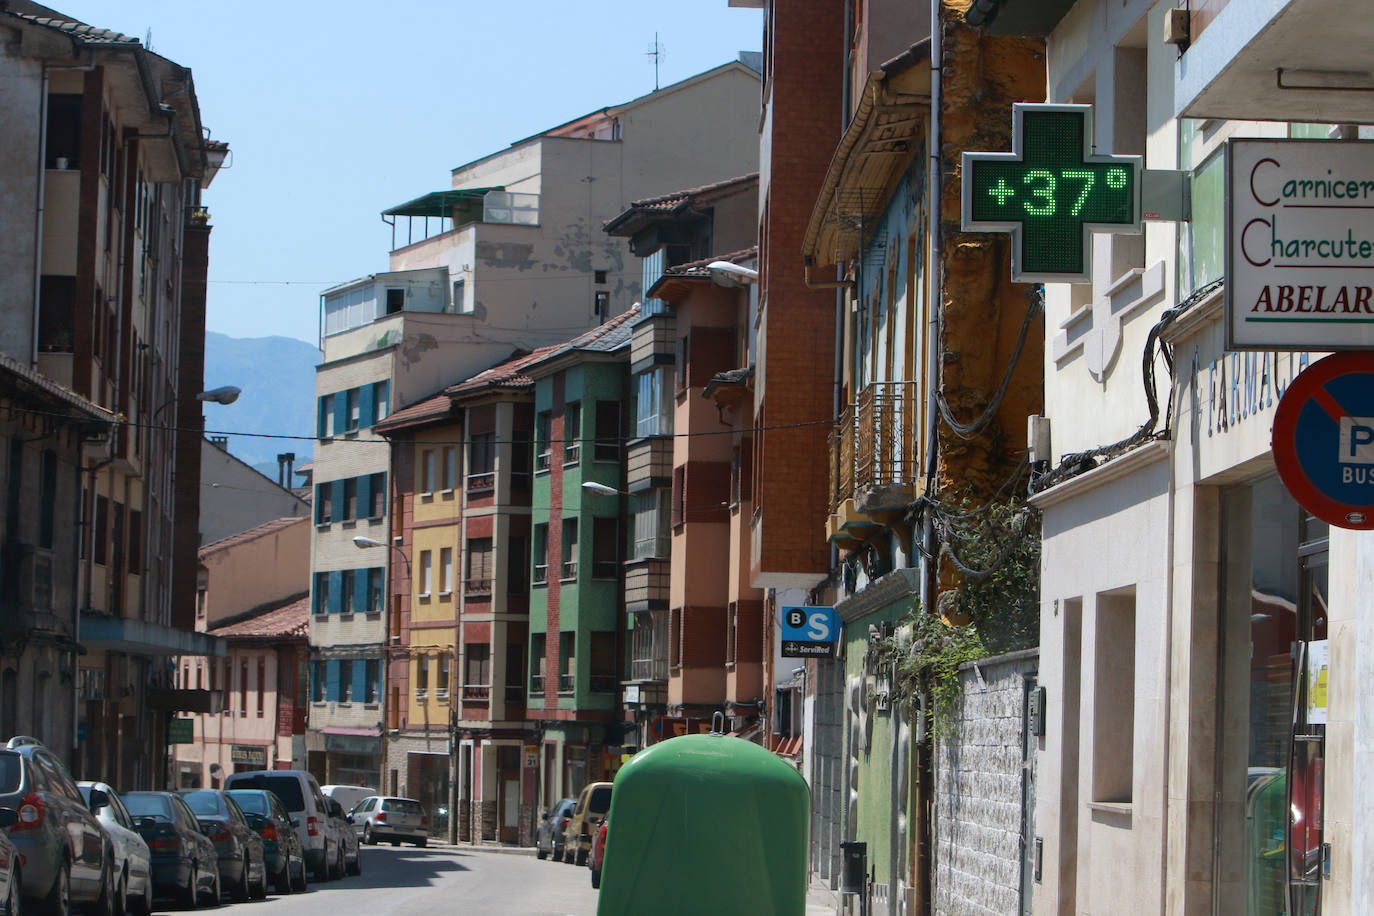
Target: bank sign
(809, 632)
(1299, 245)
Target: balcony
(541, 573)
(481, 483)
(537, 684)
(476, 588)
(873, 459)
(567, 683)
(476, 693)
(568, 570)
(649, 647)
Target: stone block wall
(979, 810)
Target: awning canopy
(440, 203)
(140, 637)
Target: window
(601, 305)
(542, 433)
(371, 680)
(517, 566)
(482, 461)
(135, 541)
(679, 496)
(477, 665)
(102, 525)
(572, 432)
(603, 666)
(537, 662)
(652, 534)
(445, 661)
(376, 496)
(63, 131)
(202, 587)
(599, 277)
(445, 570)
(346, 591)
(47, 506)
(567, 661)
(428, 469)
(317, 682)
(395, 300)
(262, 683)
(326, 419)
(477, 578)
(654, 404)
(321, 593)
(569, 568)
(421, 677)
(541, 554)
(510, 207)
(520, 459)
(459, 298)
(243, 688)
(56, 314)
(381, 399)
(605, 548)
(376, 577)
(607, 446)
(426, 572)
(682, 352)
(1114, 697)
(352, 407)
(346, 681)
(450, 478)
(324, 503)
(350, 493)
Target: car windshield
(288, 788)
(147, 804)
(403, 806)
(10, 772)
(601, 800)
(205, 802)
(251, 802)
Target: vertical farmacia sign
(1299, 245)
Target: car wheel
(368, 838)
(539, 852)
(282, 881)
(119, 905)
(596, 877)
(422, 842)
(557, 854)
(14, 906)
(143, 906)
(260, 892)
(581, 856)
(190, 894)
(299, 883)
(58, 902)
(238, 891)
(104, 904)
(217, 892)
(358, 863)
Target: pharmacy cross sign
(1050, 192)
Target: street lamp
(601, 489)
(225, 394)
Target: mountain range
(276, 411)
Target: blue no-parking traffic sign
(809, 632)
(1323, 439)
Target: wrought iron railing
(873, 443)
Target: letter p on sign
(1357, 440)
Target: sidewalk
(820, 899)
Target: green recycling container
(706, 824)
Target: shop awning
(140, 637)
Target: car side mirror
(295, 822)
(349, 818)
(99, 800)
(8, 817)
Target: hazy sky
(336, 111)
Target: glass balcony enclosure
(363, 301)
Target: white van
(347, 796)
(301, 795)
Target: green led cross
(1050, 192)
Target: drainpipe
(934, 298)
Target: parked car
(11, 875)
(281, 847)
(304, 801)
(347, 796)
(397, 820)
(592, 804)
(598, 855)
(237, 844)
(348, 840)
(67, 856)
(132, 868)
(548, 836)
(185, 864)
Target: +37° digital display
(1048, 189)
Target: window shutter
(331, 689)
(339, 498)
(336, 591)
(319, 418)
(364, 496)
(360, 590)
(319, 504)
(366, 411)
(359, 677)
(340, 413)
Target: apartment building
(1185, 592)
(517, 259)
(696, 637)
(103, 280)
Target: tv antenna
(657, 52)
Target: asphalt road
(436, 880)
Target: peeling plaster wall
(20, 109)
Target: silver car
(394, 820)
(133, 873)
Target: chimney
(285, 460)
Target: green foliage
(997, 553)
(928, 663)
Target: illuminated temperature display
(1050, 192)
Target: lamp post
(224, 394)
(600, 489)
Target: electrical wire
(969, 430)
